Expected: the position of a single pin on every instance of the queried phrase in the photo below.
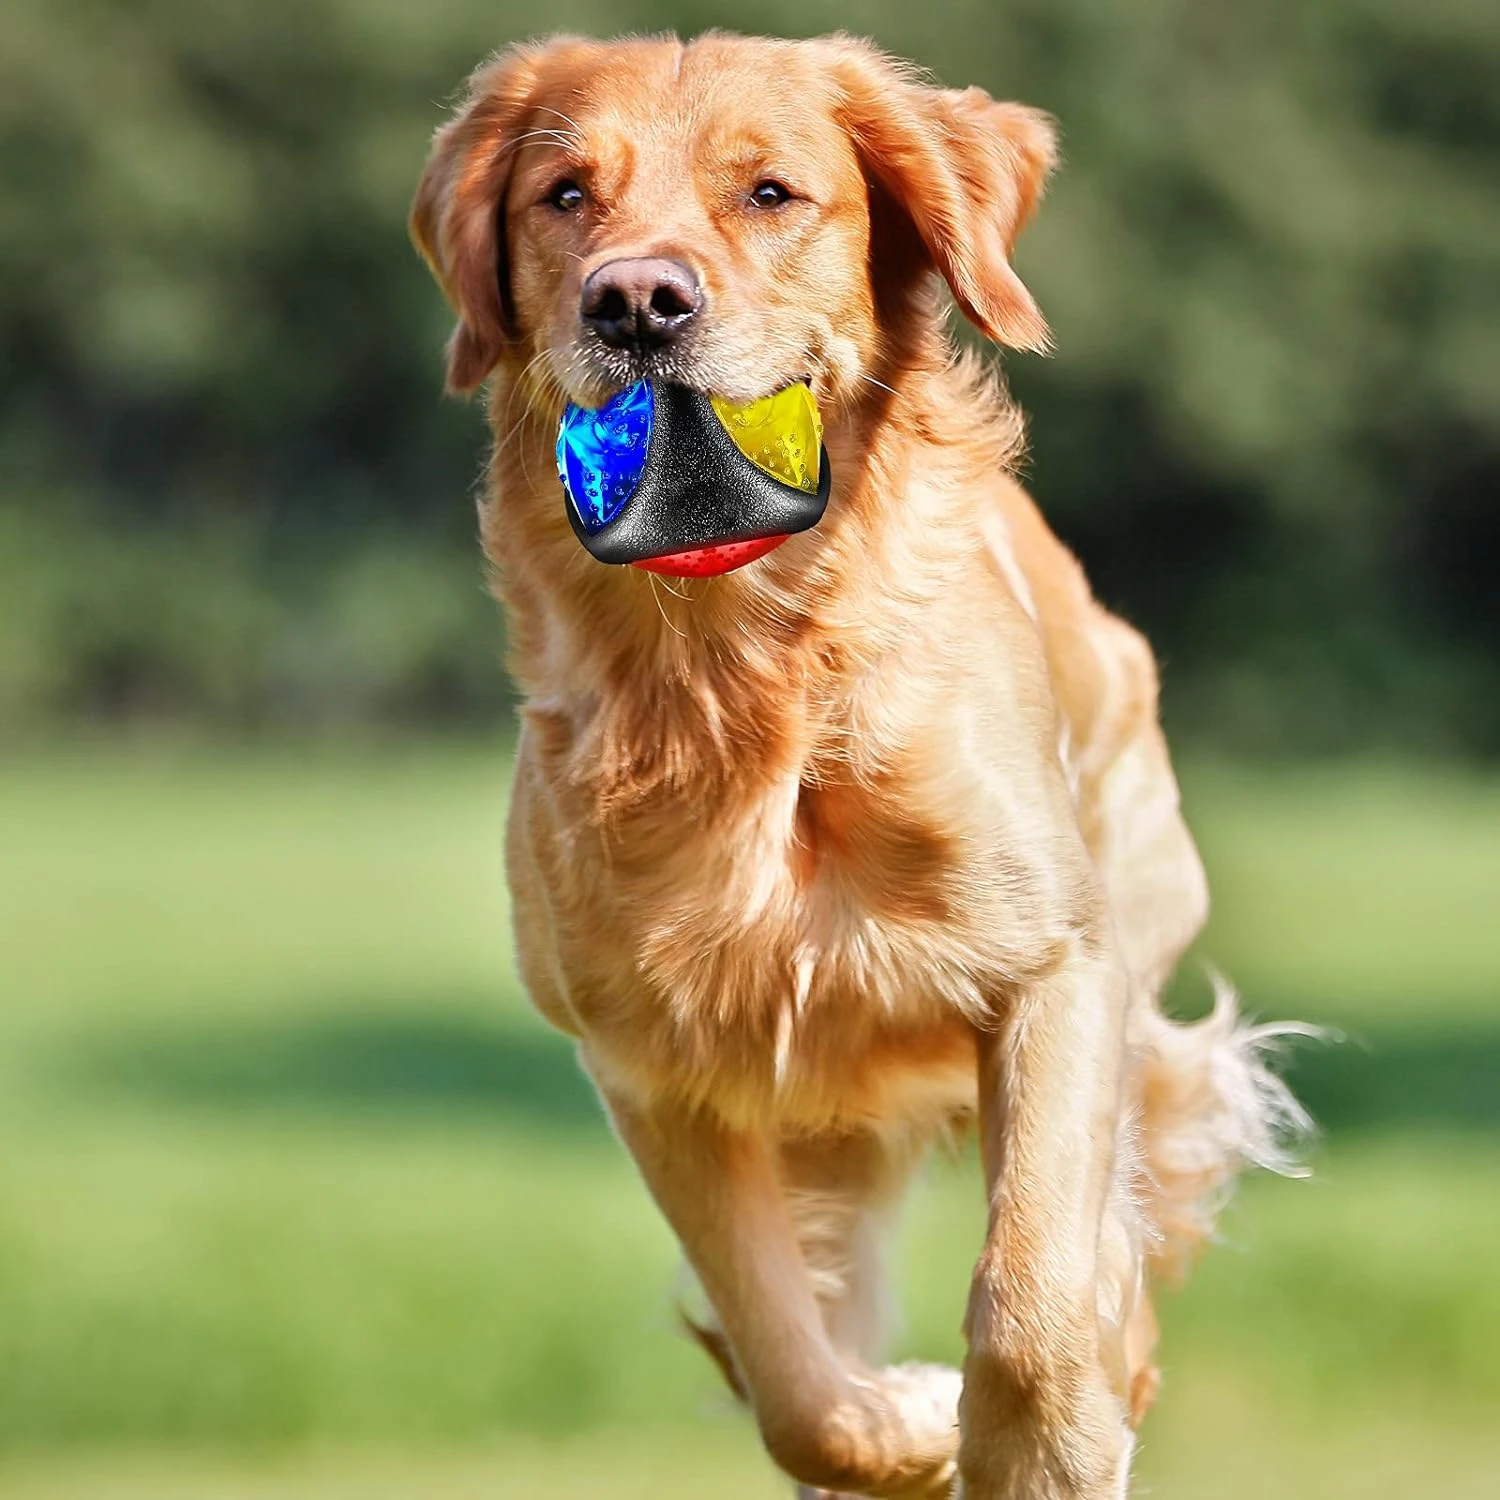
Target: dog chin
(607, 372)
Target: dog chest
(819, 957)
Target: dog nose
(643, 303)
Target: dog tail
(1209, 1106)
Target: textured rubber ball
(601, 454)
(674, 481)
(782, 434)
(708, 562)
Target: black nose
(641, 304)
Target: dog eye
(566, 196)
(770, 194)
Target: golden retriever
(876, 835)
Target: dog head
(732, 215)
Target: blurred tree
(1271, 428)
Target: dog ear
(966, 170)
(458, 215)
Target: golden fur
(877, 835)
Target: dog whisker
(666, 620)
(518, 387)
(686, 598)
(552, 137)
(547, 109)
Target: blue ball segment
(602, 454)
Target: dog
(876, 837)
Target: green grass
(296, 1199)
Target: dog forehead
(719, 95)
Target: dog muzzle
(676, 482)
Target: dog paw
(1013, 1475)
(1038, 1445)
(926, 1395)
(893, 1436)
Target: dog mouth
(600, 372)
(672, 480)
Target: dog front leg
(1040, 1419)
(830, 1424)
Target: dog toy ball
(676, 482)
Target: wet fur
(878, 837)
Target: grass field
(297, 1200)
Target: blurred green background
(296, 1199)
